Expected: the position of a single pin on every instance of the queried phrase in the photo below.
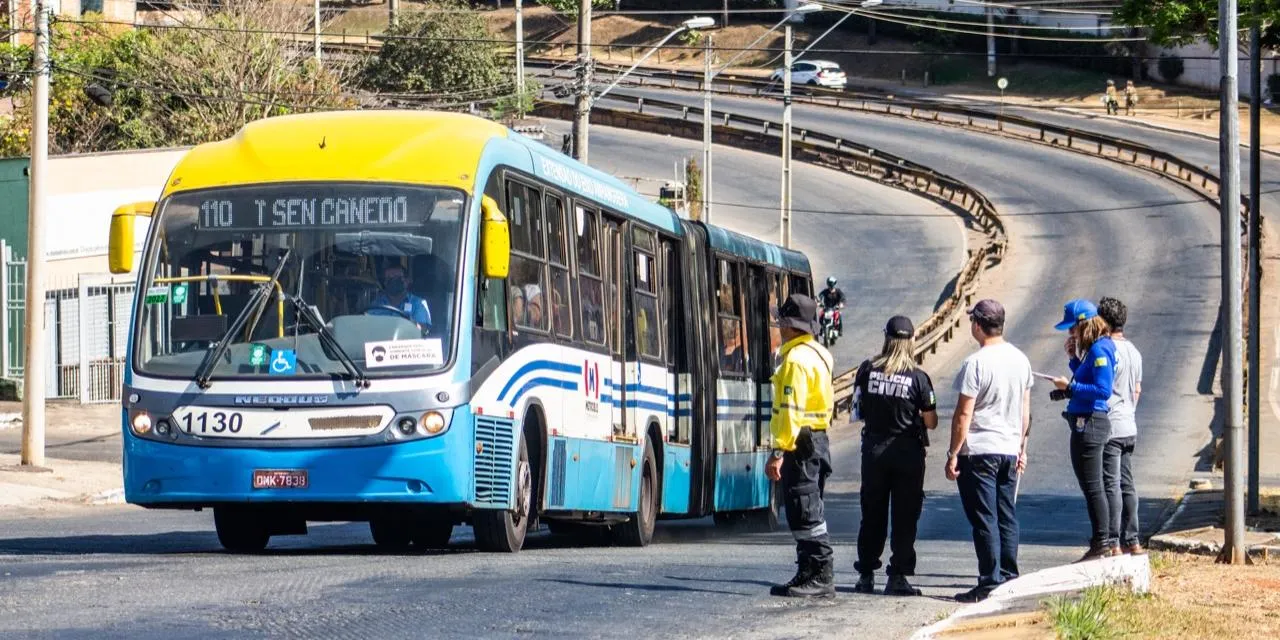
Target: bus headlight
(433, 422)
(141, 423)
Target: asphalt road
(1080, 227)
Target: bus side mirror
(120, 251)
(495, 240)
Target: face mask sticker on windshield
(157, 295)
(284, 362)
(178, 294)
(399, 353)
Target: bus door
(616, 472)
(650, 385)
(736, 392)
(759, 326)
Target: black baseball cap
(988, 313)
(799, 312)
(899, 327)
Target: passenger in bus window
(731, 359)
(592, 311)
(518, 316)
(535, 306)
(561, 311)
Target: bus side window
(589, 275)
(526, 283)
(648, 322)
(558, 261)
(611, 244)
(733, 356)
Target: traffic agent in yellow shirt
(801, 461)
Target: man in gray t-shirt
(988, 445)
(1117, 468)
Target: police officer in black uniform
(894, 398)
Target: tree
(444, 52)
(1178, 22)
(172, 87)
(570, 7)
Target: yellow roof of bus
(415, 147)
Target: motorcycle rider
(833, 298)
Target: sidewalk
(60, 485)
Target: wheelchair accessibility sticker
(284, 362)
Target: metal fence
(87, 317)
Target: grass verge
(1088, 617)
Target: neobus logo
(291, 400)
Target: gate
(87, 320)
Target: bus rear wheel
(504, 531)
(638, 531)
(239, 531)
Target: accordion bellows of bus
(425, 320)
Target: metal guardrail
(833, 152)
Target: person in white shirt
(989, 445)
(1117, 469)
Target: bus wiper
(307, 314)
(252, 308)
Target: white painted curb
(1131, 571)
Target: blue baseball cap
(1075, 311)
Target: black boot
(898, 586)
(804, 567)
(866, 583)
(821, 584)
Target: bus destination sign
(334, 208)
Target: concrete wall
(84, 190)
(1068, 21)
(1201, 67)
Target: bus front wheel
(239, 531)
(504, 531)
(390, 534)
(638, 531)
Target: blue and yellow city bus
(424, 319)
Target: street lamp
(708, 76)
(784, 213)
(687, 25)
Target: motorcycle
(827, 326)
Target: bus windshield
(375, 264)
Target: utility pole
(1233, 551)
(706, 128)
(316, 19)
(991, 42)
(785, 212)
(33, 367)
(1255, 258)
(393, 8)
(15, 23)
(520, 58)
(582, 108)
(724, 14)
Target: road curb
(1134, 572)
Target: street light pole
(393, 9)
(1254, 394)
(785, 213)
(991, 42)
(1233, 550)
(316, 24)
(706, 129)
(33, 367)
(582, 107)
(520, 58)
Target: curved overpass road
(139, 574)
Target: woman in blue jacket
(1092, 361)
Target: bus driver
(395, 295)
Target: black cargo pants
(804, 478)
(892, 476)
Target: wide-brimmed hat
(799, 312)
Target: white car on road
(815, 73)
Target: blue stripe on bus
(653, 406)
(536, 365)
(543, 382)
